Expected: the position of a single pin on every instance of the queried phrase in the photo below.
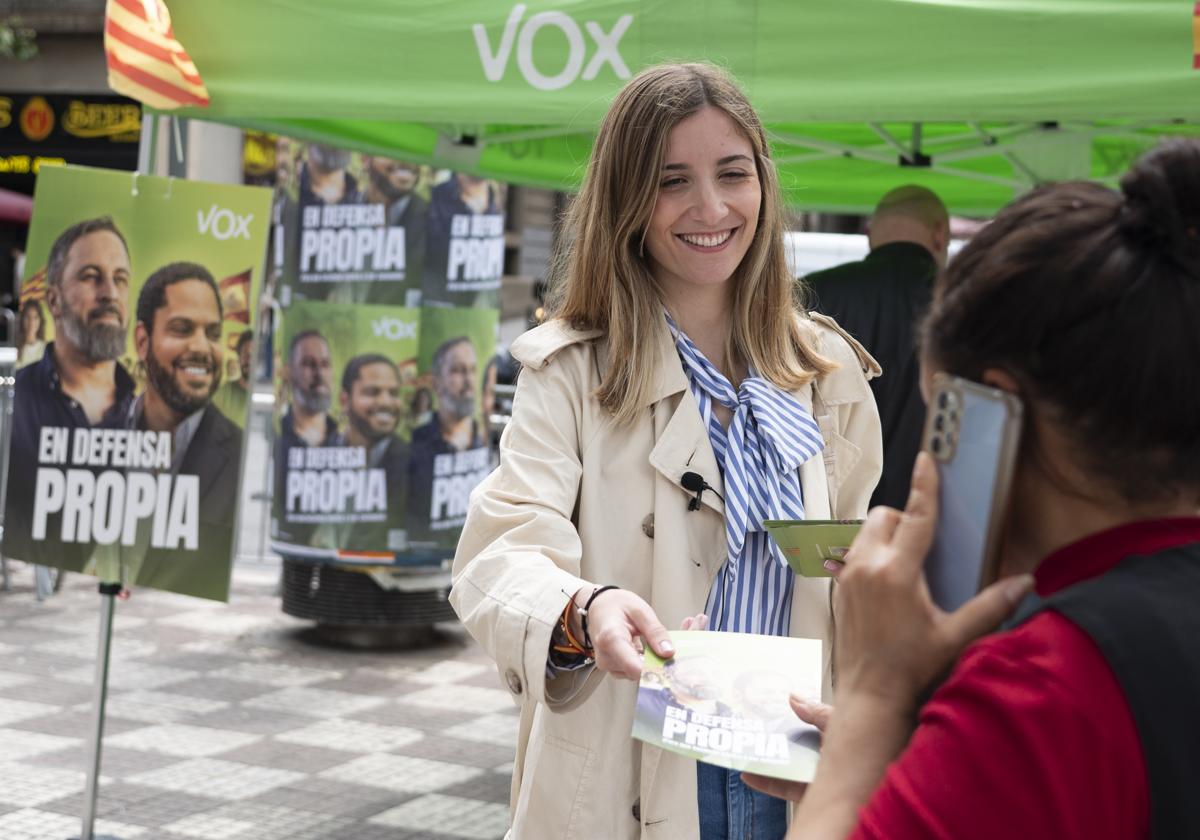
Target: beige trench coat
(578, 500)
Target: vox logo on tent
(223, 223)
(604, 48)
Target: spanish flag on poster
(144, 59)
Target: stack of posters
(387, 275)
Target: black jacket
(879, 301)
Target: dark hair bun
(1161, 211)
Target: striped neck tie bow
(770, 436)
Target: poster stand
(108, 594)
(109, 591)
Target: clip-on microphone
(694, 483)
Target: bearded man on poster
(306, 422)
(454, 429)
(370, 400)
(392, 183)
(78, 383)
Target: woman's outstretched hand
(619, 623)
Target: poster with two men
(129, 405)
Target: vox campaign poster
(380, 430)
(342, 434)
(451, 452)
(723, 699)
(122, 465)
(357, 228)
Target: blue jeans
(731, 811)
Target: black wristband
(583, 614)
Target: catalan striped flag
(1196, 37)
(144, 59)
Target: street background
(233, 722)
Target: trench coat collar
(684, 445)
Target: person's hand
(695, 622)
(893, 641)
(618, 623)
(809, 711)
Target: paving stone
(490, 787)
(48, 690)
(130, 675)
(18, 744)
(114, 762)
(216, 778)
(28, 786)
(401, 773)
(215, 688)
(258, 821)
(132, 803)
(417, 717)
(500, 729)
(14, 711)
(83, 646)
(353, 802)
(315, 702)
(277, 674)
(33, 824)
(160, 706)
(272, 753)
(449, 815)
(450, 671)
(353, 735)
(479, 700)
(470, 753)
(182, 740)
(73, 722)
(11, 679)
(255, 721)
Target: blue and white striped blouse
(770, 436)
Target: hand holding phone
(972, 431)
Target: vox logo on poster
(223, 223)
(582, 58)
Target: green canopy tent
(977, 99)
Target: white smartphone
(973, 433)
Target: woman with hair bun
(1078, 719)
(675, 347)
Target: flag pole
(108, 589)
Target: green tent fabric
(977, 99)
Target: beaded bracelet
(583, 614)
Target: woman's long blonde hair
(601, 279)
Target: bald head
(911, 214)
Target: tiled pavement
(228, 722)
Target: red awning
(15, 207)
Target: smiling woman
(675, 346)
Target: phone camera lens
(939, 423)
(943, 400)
(935, 445)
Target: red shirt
(1031, 736)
